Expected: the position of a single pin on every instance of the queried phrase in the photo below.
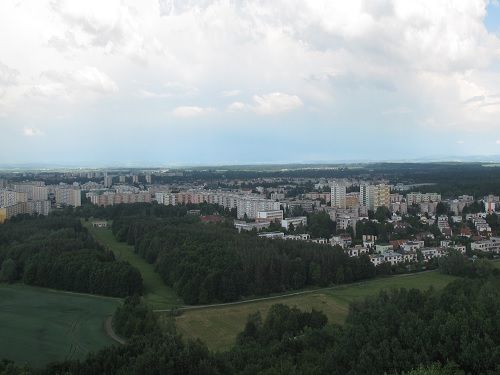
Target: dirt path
(285, 295)
(108, 326)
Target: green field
(218, 326)
(156, 293)
(40, 325)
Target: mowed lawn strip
(218, 326)
(156, 293)
(39, 325)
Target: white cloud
(146, 94)
(238, 107)
(460, 142)
(31, 132)
(70, 85)
(93, 79)
(170, 90)
(191, 111)
(268, 104)
(363, 64)
(497, 141)
(229, 93)
(276, 102)
(8, 76)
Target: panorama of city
(249, 187)
(391, 222)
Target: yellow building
(382, 196)
(13, 210)
(352, 200)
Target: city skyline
(247, 82)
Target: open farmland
(40, 325)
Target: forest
(58, 252)
(207, 263)
(448, 332)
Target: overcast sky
(202, 82)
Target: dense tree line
(58, 252)
(452, 331)
(134, 317)
(320, 225)
(457, 264)
(206, 263)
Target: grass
(39, 325)
(218, 326)
(156, 293)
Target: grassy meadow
(218, 326)
(156, 293)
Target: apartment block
(352, 200)
(68, 197)
(250, 206)
(34, 192)
(374, 196)
(381, 196)
(295, 221)
(110, 199)
(275, 215)
(417, 197)
(338, 195)
(166, 198)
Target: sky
(167, 82)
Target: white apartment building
(338, 195)
(417, 197)
(369, 240)
(250, 206)
(429, 253)
(9, 198)
(412, 246)
(365, 195)
(392, 257)
(275, 196)
(356, 251)
(297, 237)
(272, 235)
(243, 225)
(488, 246)
(295, 221)
(168, 199)
(275, 215)
(344, 241)
(442, 222)
(344, 222)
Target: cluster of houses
(394, 253)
